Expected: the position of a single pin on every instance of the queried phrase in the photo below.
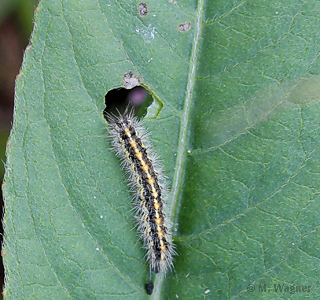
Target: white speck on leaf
(207, 292)
(148, 34)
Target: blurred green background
(16, 23)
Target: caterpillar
(145, 176)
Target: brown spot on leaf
(130, 81)
(143, 9)
(185, 26)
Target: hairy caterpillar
(129, 141)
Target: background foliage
(15, 29)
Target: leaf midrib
(182, 146)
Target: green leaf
(237, 126)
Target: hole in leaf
(138, 98)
